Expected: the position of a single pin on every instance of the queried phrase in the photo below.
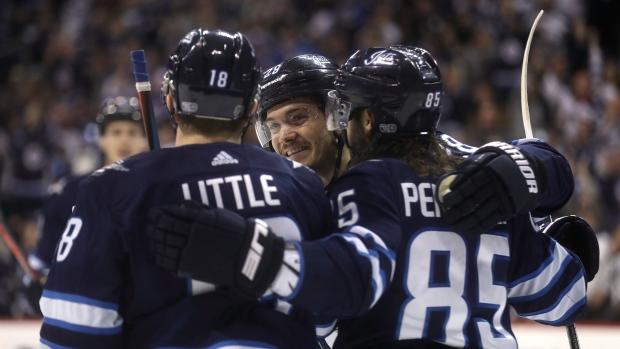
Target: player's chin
(123, 154)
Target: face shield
(293, 119)
(337, 112)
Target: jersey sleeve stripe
(378, 278)
(365, 233)
(79, 299)
(357, 235)
(537, 281)
(81, 328)
(45, 344)
(550, 283)
(86, 318)
(576, 296)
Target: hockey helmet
(119, 108)
(303, 75)
(401, 85)
(212, 74)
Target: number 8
(66, 242)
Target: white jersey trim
(64, 310)
(539, 280)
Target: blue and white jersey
(105, 290)
(399, 276)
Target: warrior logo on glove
(521, 161)
(492, 185)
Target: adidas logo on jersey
(223, 158)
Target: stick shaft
(17, 253)
(143, 86)
(571, 332)
(525, 109)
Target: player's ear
(170, 106)
(367, 120)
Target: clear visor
(293, 119)
(337, 112)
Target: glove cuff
(259, 267)
(287, 278)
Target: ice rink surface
(24, 334)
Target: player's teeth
(294, 151)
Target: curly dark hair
(424, 154)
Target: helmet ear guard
(337, 112)
(166, 88)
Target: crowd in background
(59, 59)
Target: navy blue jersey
(55, 214)
(560, 179)
(104, 289)
(423, 282)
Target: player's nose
(288, 135)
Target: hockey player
(291, 115)
(120, 135)
(397, 274)
(105, 290)
(291, 122)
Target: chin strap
(243, 131)
(340, 141)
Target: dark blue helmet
(119, 108)
(401, 85)
(304, 75)
(212, 74)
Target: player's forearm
(555, 295)
(343, 275)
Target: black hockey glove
(492, 185)
(576, 235)
(215, 245)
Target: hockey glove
(492, 185)
(216, 246)
(576, 235)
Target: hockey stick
(525, 109)
(571, 332)
(8, 239)
(573, 340)
(143, 86)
